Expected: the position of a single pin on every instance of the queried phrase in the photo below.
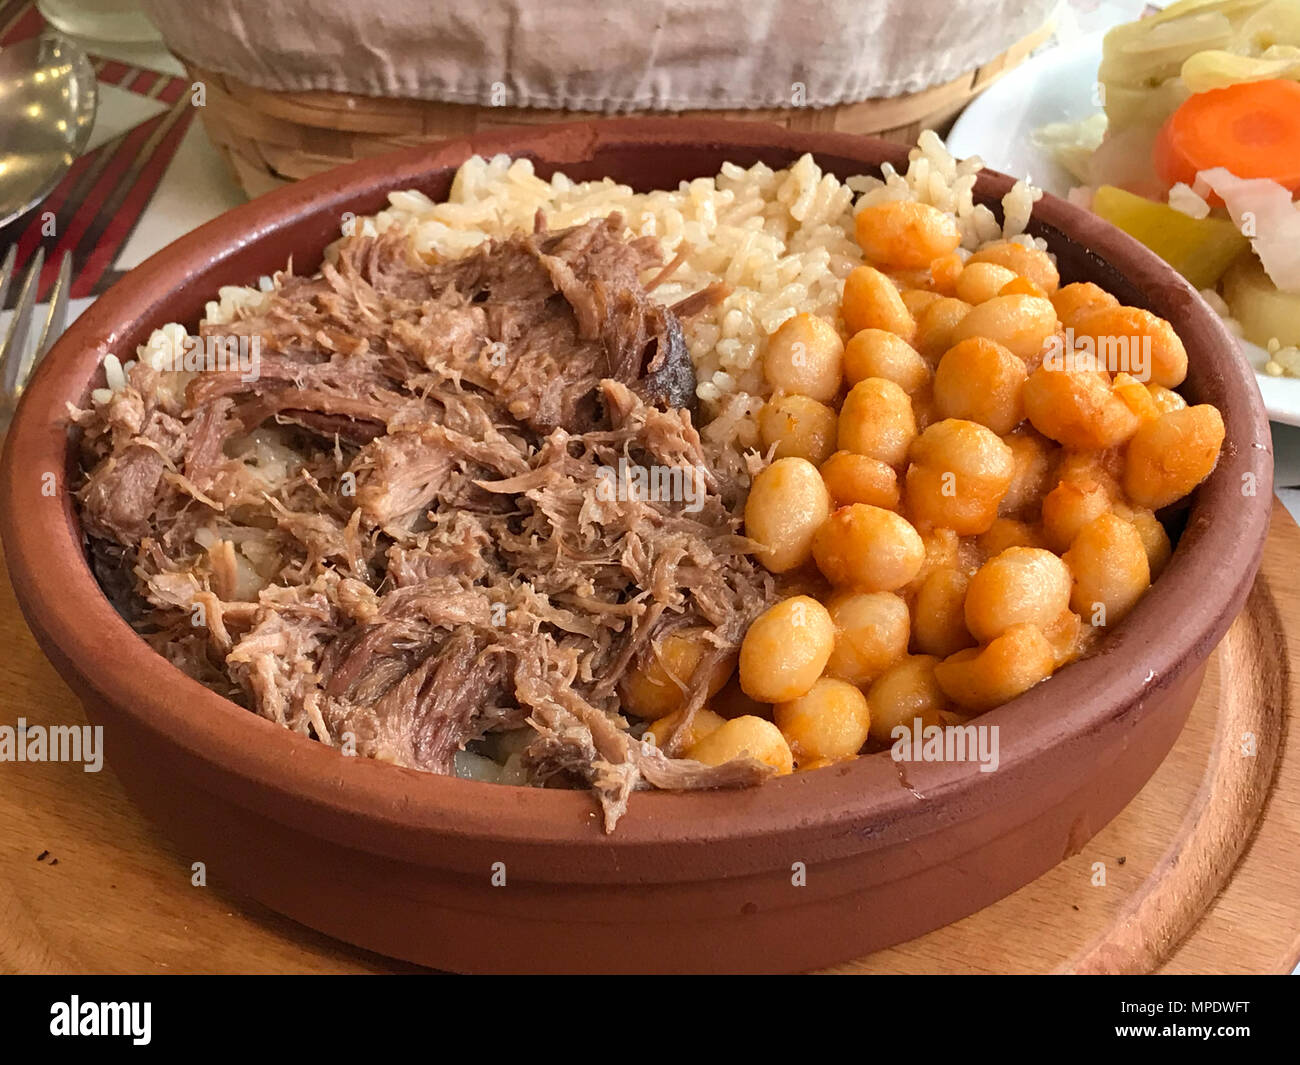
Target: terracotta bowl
(403, 862)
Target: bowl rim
(400, 812)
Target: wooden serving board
(1201, 870)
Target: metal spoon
(47, 109)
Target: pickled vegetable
(1200, 249)
(1264, 312)
(1264, 211)
(1214, 69)
(1139, 57)
(1272, 24)
(1150, 67)
(1252, 130)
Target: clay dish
(402, 862)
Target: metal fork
(18, 357)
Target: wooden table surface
(1202, 869)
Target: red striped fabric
(174, 90)
(143, 81)
(113, 73)
(122, 219)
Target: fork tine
(14, 353)
(7, 273)
(56, 315)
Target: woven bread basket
(326, 83)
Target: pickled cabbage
(1072, 143)
(1263, 210)
(1218, 70)
(1141, 56)
(1141, 59)
(1277, 22)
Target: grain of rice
(113, 373)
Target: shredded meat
(393, 538)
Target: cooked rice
(781, 239)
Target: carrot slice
(1252, 129)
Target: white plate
(1058, 86)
